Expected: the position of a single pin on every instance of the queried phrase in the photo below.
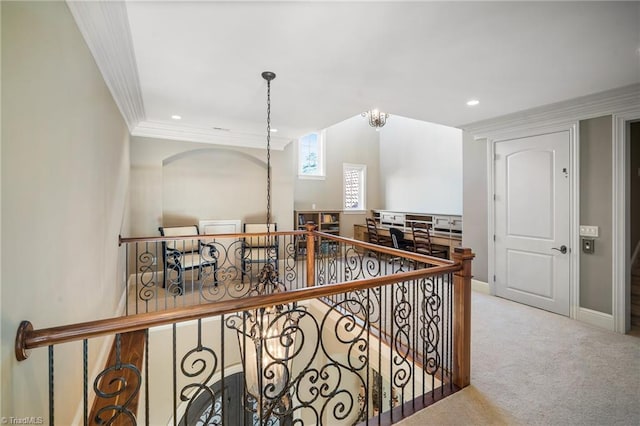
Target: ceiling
(333, 60)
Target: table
(360, 233)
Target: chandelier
(377, 119)
(267, 336)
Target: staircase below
(635, 293)
(121, 384)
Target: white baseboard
(480, 286)
(599, 319)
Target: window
(311, 156)
(354, 181)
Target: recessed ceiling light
(274, 130)
(176, 117)
(473, 102)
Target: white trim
(598, 319)
(574, 221)
(594, 105)
(621, 278)
(105, 28)
(171, 131)
(480, 286)
(491, 230)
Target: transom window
(311, 156)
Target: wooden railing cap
(24, 329)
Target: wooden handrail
(122, 239)
(28, 338)
(361, 244)
(388, 250)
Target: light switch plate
(588, 245)
(588, 231)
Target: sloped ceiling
(423, 60)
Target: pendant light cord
(268, 156)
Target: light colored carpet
(533, 367)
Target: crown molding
(105, 28)
(604, 103)
(161, 130)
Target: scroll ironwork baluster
(146, 376)
(85, 381)
(51, 396)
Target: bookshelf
(325, 220)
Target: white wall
(350, 141)
(65, 172)
(421, 166)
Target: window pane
(352, 184)
(309, 155)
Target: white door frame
(574, 203)
(621, 251)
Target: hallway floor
(532, 367)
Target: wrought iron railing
(364, 334)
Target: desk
(449, 241)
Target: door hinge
(494, 197)
(494, 237)
(494, 278)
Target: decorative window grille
(354, 186)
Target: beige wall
(474, 213)
(3, 365)
(350, 141)
(177, 182)
(65, 172)
(595, 209)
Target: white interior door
(532, 217)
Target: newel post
(311, 255)
(462, 317)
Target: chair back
(186, 245)
(396, 236)
(256, 228)
(372, 230)
(421, 240)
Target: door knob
(562, 249)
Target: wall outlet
(588, 231)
